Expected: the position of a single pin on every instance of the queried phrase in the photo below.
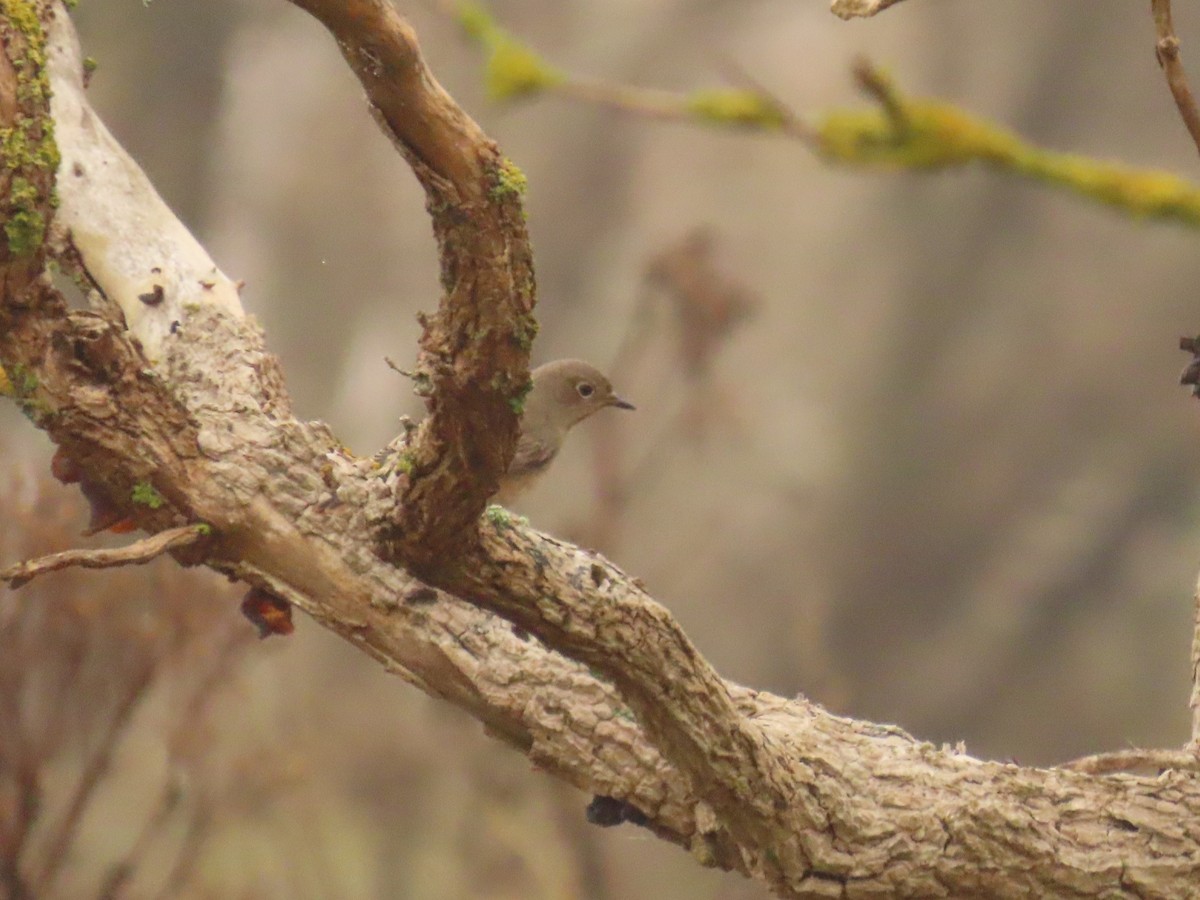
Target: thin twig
(649, 103)
(135, 554)
(793, 125)
(1167, 50)
(95, 768)
(184, 867)
(122, 871)
(18, 832)
(191, 716)
(1133, 760)
(875, 84)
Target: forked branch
(475, 350)
(612, 697)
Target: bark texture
(164, 383)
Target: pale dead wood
(859, 9)
(135, 554)
(1167, 51)
(813, 804)
(1135, 760)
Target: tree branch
(136, 554)
(935, 135)
(813, 804)
(475, 350)
(859, 9)
(1167, 51)
(1136, 760)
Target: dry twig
(859, 9)
(1167, 51)
(135, 554)
(613, 697)
(1135, 760)
(904, 133)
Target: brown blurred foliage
(115, 766)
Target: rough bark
(165, 383)
(474, 365)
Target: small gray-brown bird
(564, 393)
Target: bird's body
(564, 393)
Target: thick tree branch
(475, 350)
(675, 694)
(814, 804)
(581, 605)
(30, 157)
(150, 265)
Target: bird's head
(570, 390)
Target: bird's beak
(619, 403)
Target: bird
(564, 393)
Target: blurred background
(912, 445)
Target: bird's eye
(585, 390)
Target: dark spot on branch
(421, 596)
(609, 811)
(154, 297)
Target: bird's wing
(530, 460)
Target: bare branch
(880, 88)
(1136, 760)
(96, 765)
(135, 554)
(859, 9)
(515, 70)
(813, 804)
(1167, 51)
(475, 350)
(936, 135)
(675, 694)
(150, 267)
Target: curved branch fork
(475, 350)
(612, 697)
